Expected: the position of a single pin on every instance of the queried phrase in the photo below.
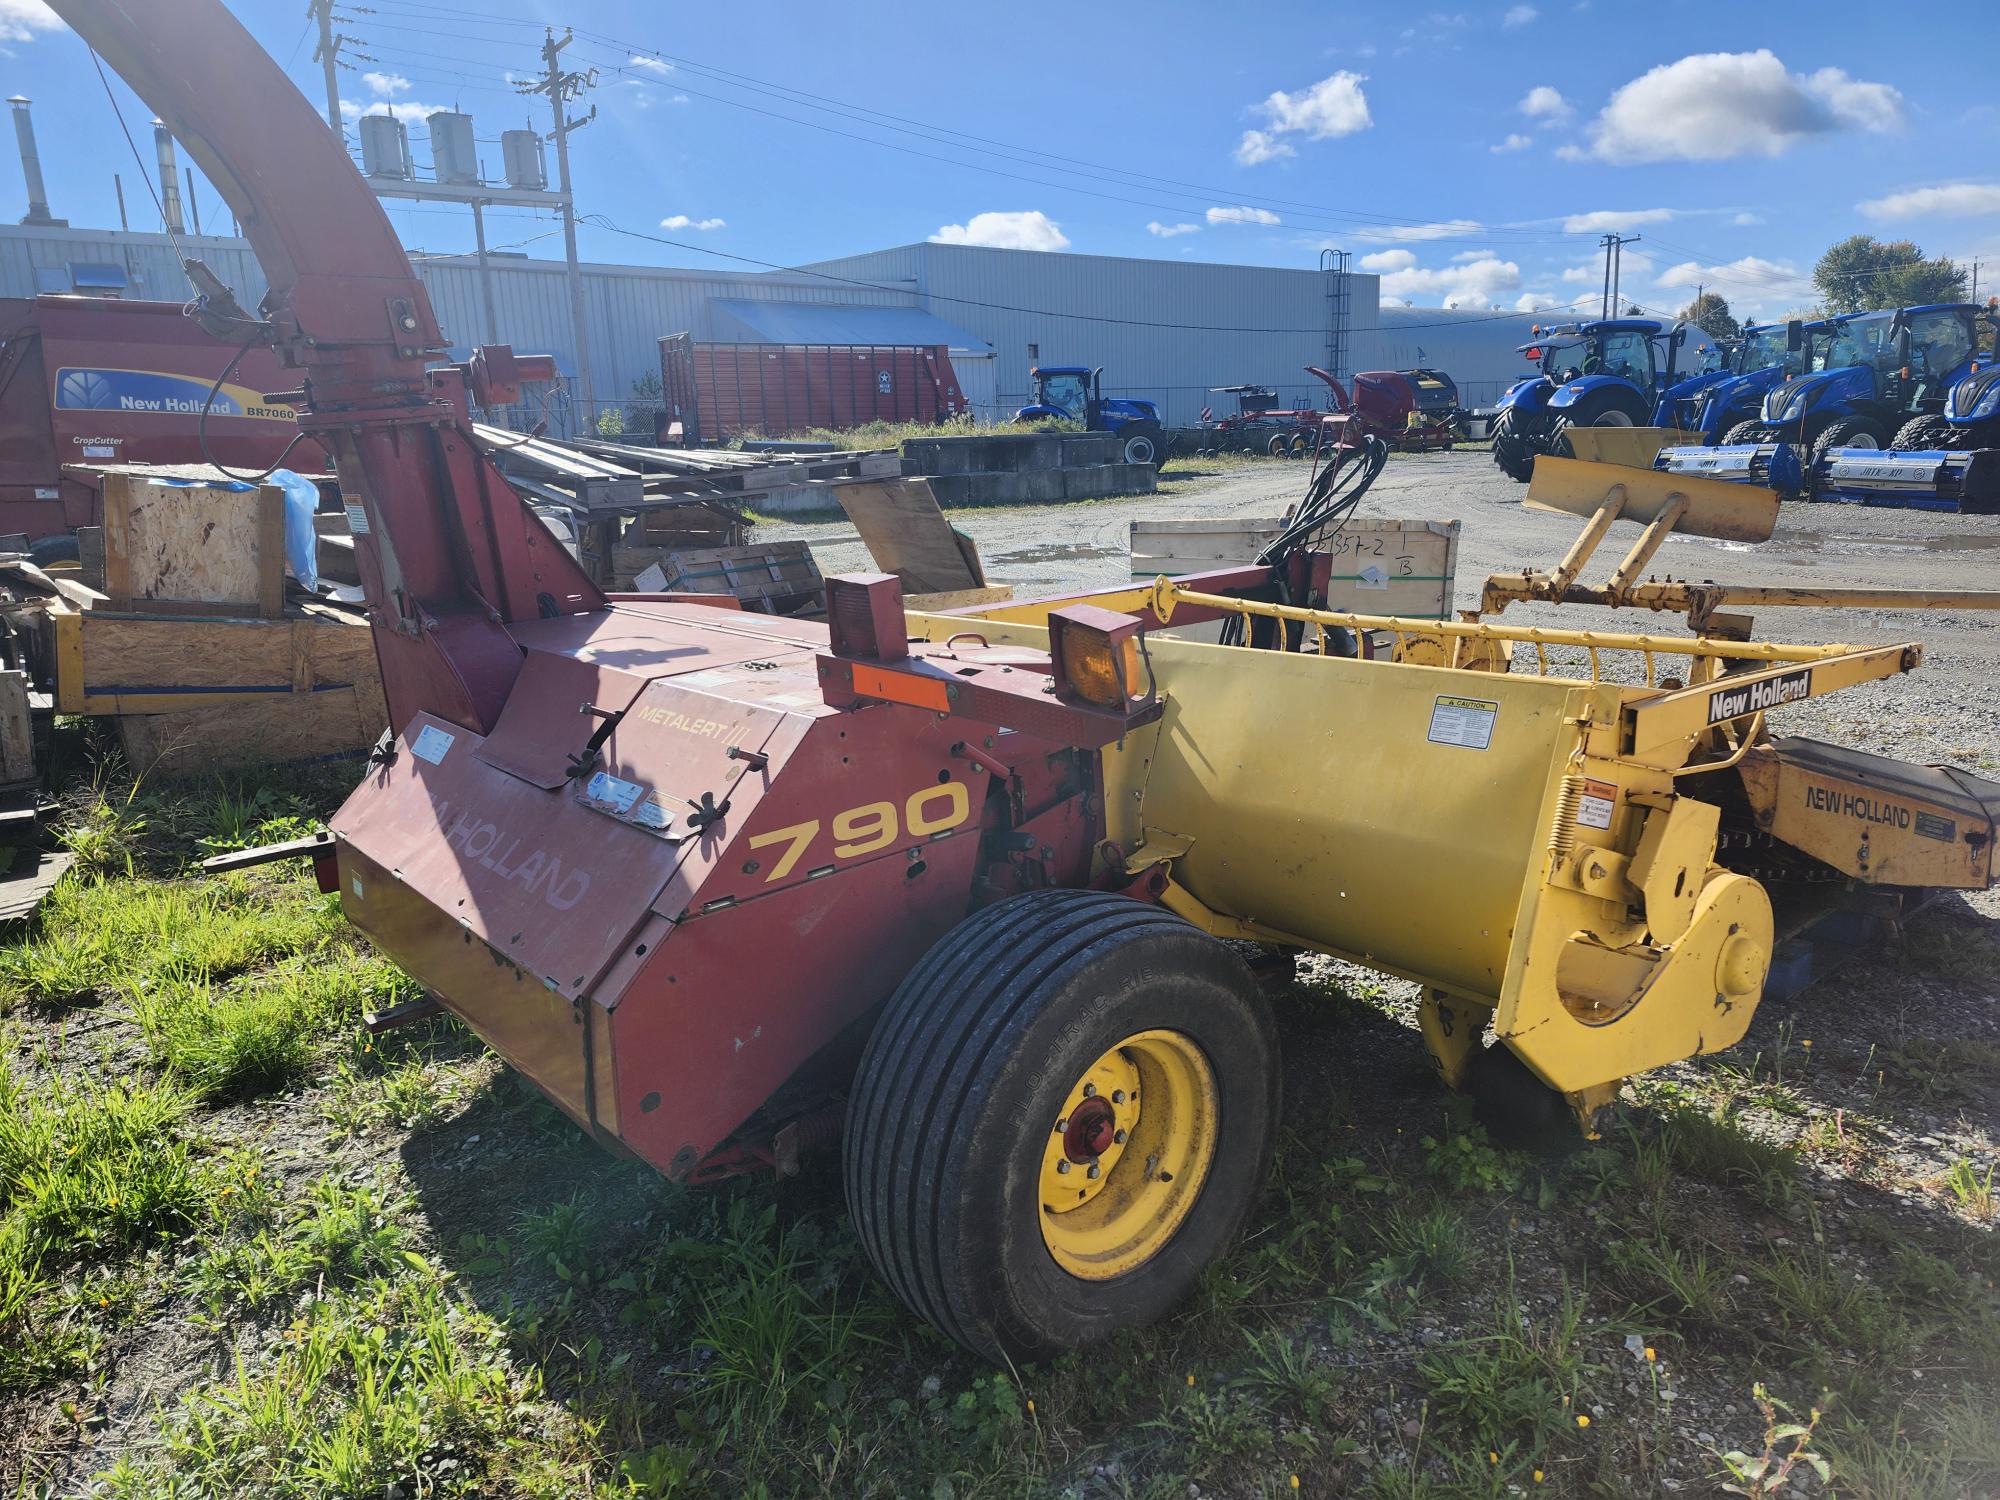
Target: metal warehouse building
(1166, 330)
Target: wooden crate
(1380, 567)
(199, 549)
(113, 663)
(267, 729)
(775, 576)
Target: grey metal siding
(1165, 331)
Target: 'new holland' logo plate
(1752, 697)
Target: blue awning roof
(744, 321)
(98, 275)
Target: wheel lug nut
(1062, 1166)
(1092, 1173)
(1118, 1137)
(1118, 1096)
(1090, 1091)
(1061, 1126)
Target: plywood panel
(112, 663)
(906, 533)
(257, 731)
(172, 549)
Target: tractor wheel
(1512, 450)
(1277, 444)
(1061, 1118)
(1849, 432)
(55, 549)
(1921, 434)
(1143, 444)
(1747, 432)
(1299, 446)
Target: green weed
(1523, 1381)
(92, 1167)
(339, 1235)
(107, 836)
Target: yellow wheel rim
(1125, 1160)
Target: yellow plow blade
(1714, 507)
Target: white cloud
(1519, 15)
(1473, 284)
(650, 64)
(1514, 142)
(20, 20)
(1529, 302)
(1242, 215)
(1605, 220)
(1715, 105)
(682, 221)
(1746, 218)
(1583, 275)
(1334, 106)
(1448, 229)
(1755, 287)
(410, 113)
(386, 85)
(1025, 229)
(1545, 103)
(1958, 200)
(1466, 257)
(1630, 263)
(1169, 231)
(1388, 260)
(1261, 146)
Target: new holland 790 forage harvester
(718, 882)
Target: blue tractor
(1868, 375)
(1607, 374)
(1074, 393)
(1971, 415)
(1718, 399)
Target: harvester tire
(1922, 434)
(49, 550)
(1278, 444)
(1849, 432)
(1515, 1106)
(960, 1122)
(1747, 432)
(1511, 448)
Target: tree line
(1857, 274)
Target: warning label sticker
(431, 744)
(618, 794)
(1599, 801)
(357, 516)
(1465, 722)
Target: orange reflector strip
(900, 687)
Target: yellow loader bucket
(1633, 446)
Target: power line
(936, 133)
(601, 222)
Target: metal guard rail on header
(1167, 595)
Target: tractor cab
(1061, 392)
(1604, 374)
(1717, 400)
(1868, 374)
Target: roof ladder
(1334, 264)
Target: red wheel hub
(1090, 1130)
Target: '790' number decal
(873, 825)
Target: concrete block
(1083, 448)
(1100, 481)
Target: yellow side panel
(1391, 812)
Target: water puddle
(1060, 552)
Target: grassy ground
(247, 1251)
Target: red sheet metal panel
(100, 380)
(775, 389)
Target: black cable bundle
(1334, 493)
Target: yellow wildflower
(1582, 1420)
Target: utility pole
(327, 55)
(1605, 242)
(560, 88)
(1613, 254)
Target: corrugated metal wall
(1162, 330)
(1479, 350)
(1166, 331)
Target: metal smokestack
(31, 168)
(170, 179)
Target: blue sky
(1470, 156)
